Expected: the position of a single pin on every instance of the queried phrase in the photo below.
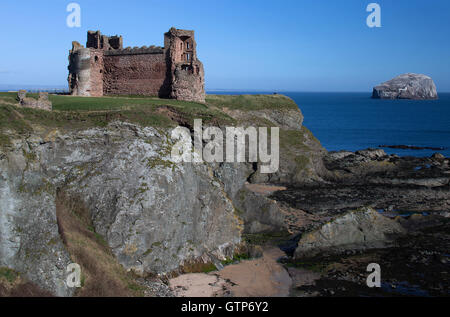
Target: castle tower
(96, 40)
(186, 71)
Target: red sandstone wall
(96, 73)
(141, 74)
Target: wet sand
(261, 277)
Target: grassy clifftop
(111, 103)
(251, 102)
(70, 112)
(74, 112)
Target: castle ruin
(104, 67)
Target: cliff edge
(93, 183)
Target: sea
(355, 121)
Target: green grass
(294, 142)
(9, 97)
(197, 267)
(251, 102)
(69, 103)
(209, 268)
(78, 112)
(142, 110)
(8, 274)
(236, 258)
(72, 112)
(291, 138)
(302, 161)
(243, 102)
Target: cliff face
(29, 239)
(154, 215)
(406, 86)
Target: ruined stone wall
(105, 68)
(96, 73)
(85, 71)
(186, 71)
(188, 83)
(42, 102)
(93, 39)
(80, 70)
(96, 40)
(135, 74)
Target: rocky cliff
(406, 86)
(100, 188)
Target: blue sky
(290, 45)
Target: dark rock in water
(412, 147)
(438, 156)
(406, 86)
(410, 184)
(416, 266)
(372, 153)
(360, 229)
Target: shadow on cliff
(12, 284)
(101, 274)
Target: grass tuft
(102, 275)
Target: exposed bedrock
(154, 215)
(360, 229)
(29, 239)
(373, 178)
(300, 151)
(406, 86)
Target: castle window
(96, 58)
(181, 45)
(187, 68)
(187, 45)
(188, 57)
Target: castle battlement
(136, 51)
(104, 67)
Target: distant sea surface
(354, 121)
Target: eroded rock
(360, 229)
(406, 86)
(154, 215)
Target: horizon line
(14, 87)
